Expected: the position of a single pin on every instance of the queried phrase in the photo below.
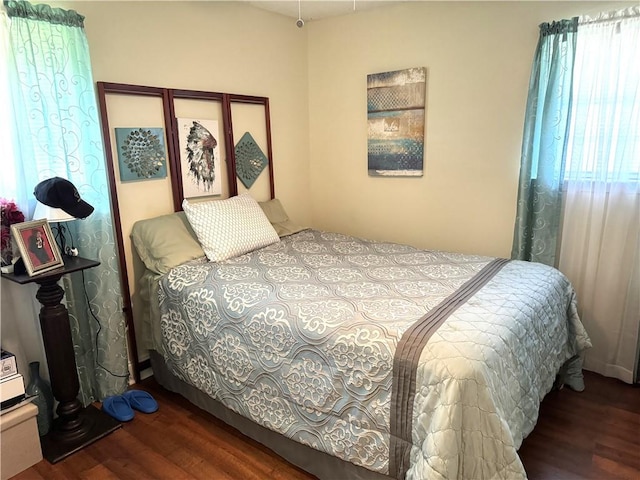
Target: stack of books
(12, 393)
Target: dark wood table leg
(75, 426)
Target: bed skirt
(310, 460)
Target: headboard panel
(133, 106)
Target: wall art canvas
(199, 157)
(396, 108)
(250, 160)
(142, 154)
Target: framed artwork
(37, 246)
(395, 113)
(199, 157)
(250, 160)
(142, 154)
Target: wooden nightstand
(76, 426)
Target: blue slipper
(118, 407)
(141, 400)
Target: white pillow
(231, 227)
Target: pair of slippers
(121, 407)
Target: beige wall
(478, 57)
(211, 46)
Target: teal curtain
(58, 134)
(544, 144)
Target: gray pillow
(274, 211)
(165, 242)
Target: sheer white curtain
(600, 245)
(19, 327)
(57, 133)
(8, 187)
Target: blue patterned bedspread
(300, 337)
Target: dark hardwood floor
(594, 434)
(590, 435)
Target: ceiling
(317, 9)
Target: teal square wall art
(142, 154)
(395, 122)
(250, 160)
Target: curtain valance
(559, 27)
(22, 9)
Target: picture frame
(200, 159)
(142, 154)
(37, 246)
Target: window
(604, 133)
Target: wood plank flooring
(590, 435)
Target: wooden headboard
(125, 105)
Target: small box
(20, 446)
(11, 390)
(8, 364)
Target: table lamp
(59, 202)
(57, 217)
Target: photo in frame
(199, 157)
(37, 246)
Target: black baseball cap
(60, 193)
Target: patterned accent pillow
(231, 227)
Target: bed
(354, 358)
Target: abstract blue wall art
(141, 153)
(395, 106)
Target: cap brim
(80, 210)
